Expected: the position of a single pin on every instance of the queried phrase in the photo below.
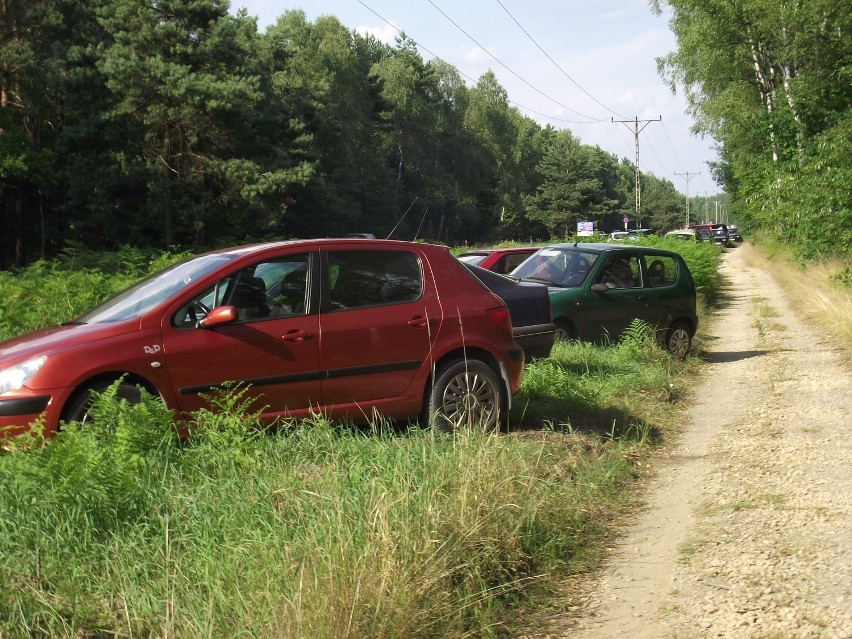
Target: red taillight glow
(500, 316)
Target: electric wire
(500, 62)
(547, 55)
(589, 119)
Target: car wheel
(466, 394)
(78, 408)
(679, 340)
(564, 330)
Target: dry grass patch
(814, 291)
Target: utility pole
(687, 176)
(635, 121)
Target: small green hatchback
(597, 290)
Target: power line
(555, 63)
(636, 131)
(500, 62)
(473, 81)
(687, 176)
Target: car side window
(371, 278)
(509, 262)
(273, 288)
(661, 270)
(620, 271)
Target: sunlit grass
(815, 291)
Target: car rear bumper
(537, 341)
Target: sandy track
(747, 527)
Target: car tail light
(500, 316)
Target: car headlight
(15, 377)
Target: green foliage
(777, 98)
(50, 293)
(322, 529)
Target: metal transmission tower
(635, 122)
(687, 177)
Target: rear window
(371, 278)
(661, 270)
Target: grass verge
(320, 529)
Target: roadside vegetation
(317, 529)
(821, 292)
(323, 529)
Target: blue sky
(555, 58)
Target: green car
(597, 290)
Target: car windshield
(154, 289)
(473, 258)
(565, 268)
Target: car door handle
(643, 298)
(420, 321)
(296, 335)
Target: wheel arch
(101, 379)
(459, 355)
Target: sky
(575, 64)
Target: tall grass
(820, 292)
(318, 530)
(321, 529)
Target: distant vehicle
(687, 235)
(597, 290)
(633, 235)
(718, 233)
(498, 260)
(346, 327)
(529, 306)
(734, 233)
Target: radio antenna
(401, 219)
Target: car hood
(54, 339)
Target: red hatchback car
(502, 260)
(343, 326)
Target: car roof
(602, 247)
(324, 241)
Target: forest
(175, 123)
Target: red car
(346, 326)
(502, 260)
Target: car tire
(77, 409)
(679, 340)
(466, 394)
(564, 330)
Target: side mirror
(218, 317)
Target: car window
(268, 289)
(473, 258)
(566, 268)
(370, 278)
(661, 269)
(620, 271)
(509, 262)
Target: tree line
(176, 123)
(771, 81)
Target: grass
(820, 293)
(323, 529)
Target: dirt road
(747, 529)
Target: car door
(609, 312)
(666, 299)
(378, 325)
(272, 348)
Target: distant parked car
(686, 235)
(597, 290)
(529, 306)
(734, 233)
(498, 260)
(718, 233)
(342, 326)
